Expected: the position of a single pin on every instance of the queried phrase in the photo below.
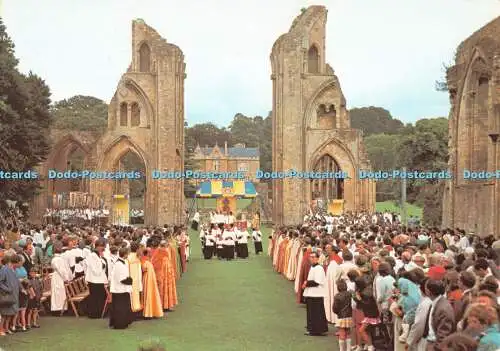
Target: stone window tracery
(328, 188)
(135, 111)
(326, 116)
(123, 114)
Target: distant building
(228, 159)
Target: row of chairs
(76, 291)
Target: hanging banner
(121, 210)
(226, 204)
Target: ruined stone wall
(474, 119)
(310, 119)
(146, 117)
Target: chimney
(225, 148)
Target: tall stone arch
(299, 136)
(64, 143)
(155, 91)
(146, 117)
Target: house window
(243, 167)
(216, 165)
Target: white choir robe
(61, 274)
(270, 245)
(333, 273)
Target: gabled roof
(233, 151)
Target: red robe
(304, 272)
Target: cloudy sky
(386, 52)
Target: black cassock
(97, 295)
(120, 314)
(316, 317)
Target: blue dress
(21, 273)
(9, 283)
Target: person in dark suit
(441, 318)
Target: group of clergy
(135, 280)
(227, 241)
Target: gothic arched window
(123, 114)
(313, 60)
(144, 58)
(135, 118)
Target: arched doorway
(134, 189)
(327, 189)
(69, 155)
(131, 190)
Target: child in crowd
(23, 304)
(342, 307)
(35, 296)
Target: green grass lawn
(224, 306)
(391, 206)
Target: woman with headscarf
(409, 300)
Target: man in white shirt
(314, 293)
(120, 316)
(208, 248)
(96, 276)
(257, 241)
(242, 237)
(229, 243)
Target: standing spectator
(9, 284)
(483, 320)
(441, 317)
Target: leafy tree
(373, 120)
(427, 150)
(206, 134)
(382, 152)
(24, 121)
(81, 113)
(254, 132)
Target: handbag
(6, 299)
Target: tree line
(27, 114)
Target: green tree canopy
(206, 134)
(24, 121)
(254, 132)
(373, 120)
(81, 112)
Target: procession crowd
(128, 273)
(76, 215)
(225, 237)
(386, 286)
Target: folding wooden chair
(108, 301)
(76, 291)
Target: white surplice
(333, 273)
(61, 273)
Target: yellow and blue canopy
(220, 188)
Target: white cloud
(386, 52)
